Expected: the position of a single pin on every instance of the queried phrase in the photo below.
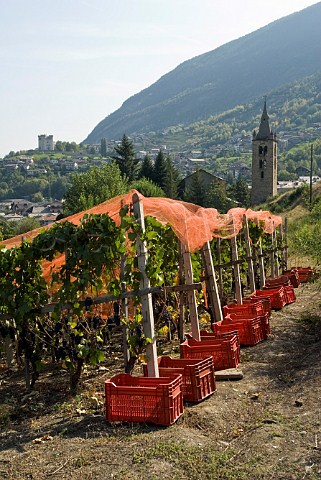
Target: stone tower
(264, 162)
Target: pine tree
(160, 170)
(196, 193)
(216, 198)
(147, 168)
(240, 192)
(126, 159)
(172, 179)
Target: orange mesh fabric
(193, 225)
(266, 220)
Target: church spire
(264, 129)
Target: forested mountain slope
(281, 53)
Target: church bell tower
(264, 162)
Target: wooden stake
(191, 299)
(220, 270)
(147, 307)
(124, 307)
(261, 265)
(276, 257)
(8, 350)
(249, 254)
(211, 280)
(281, 248)
(286, 243)
(181, 295)
(236, 271)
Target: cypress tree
(103, 147)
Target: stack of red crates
(249, 330)
(255, 310)
(288, 292)
(293, 276)
(198, 375)
(264, 301)
(224, 349)
(304, 273)
(277, 296)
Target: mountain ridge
(281, 52)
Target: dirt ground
(265, 426)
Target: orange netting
(193, 225)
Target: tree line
(152, 178)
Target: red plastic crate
(230, 335)
(249, 330)
(265, 301)
(293, 276)
(277, 281)
(225, 351)
(198, 375)
(305, 273)
(290, 294)
(140, 399)
(277, 296)
(253, 309)
(247, 312)
(263, 319)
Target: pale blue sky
(67, 64)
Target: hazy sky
(67, 64)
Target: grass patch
(198, 461)
(5, 412)
(313, 322)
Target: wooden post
(124, 307)
(281, 248)
(236, 271)
(181, 295)
(286, 243)
(276, 257)
(261, 265)
(249, 254)
(147, 306)
(272, 256)
(211, 280)
(8, 350)
(255, 265)
(220, 270)
(191, 299)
